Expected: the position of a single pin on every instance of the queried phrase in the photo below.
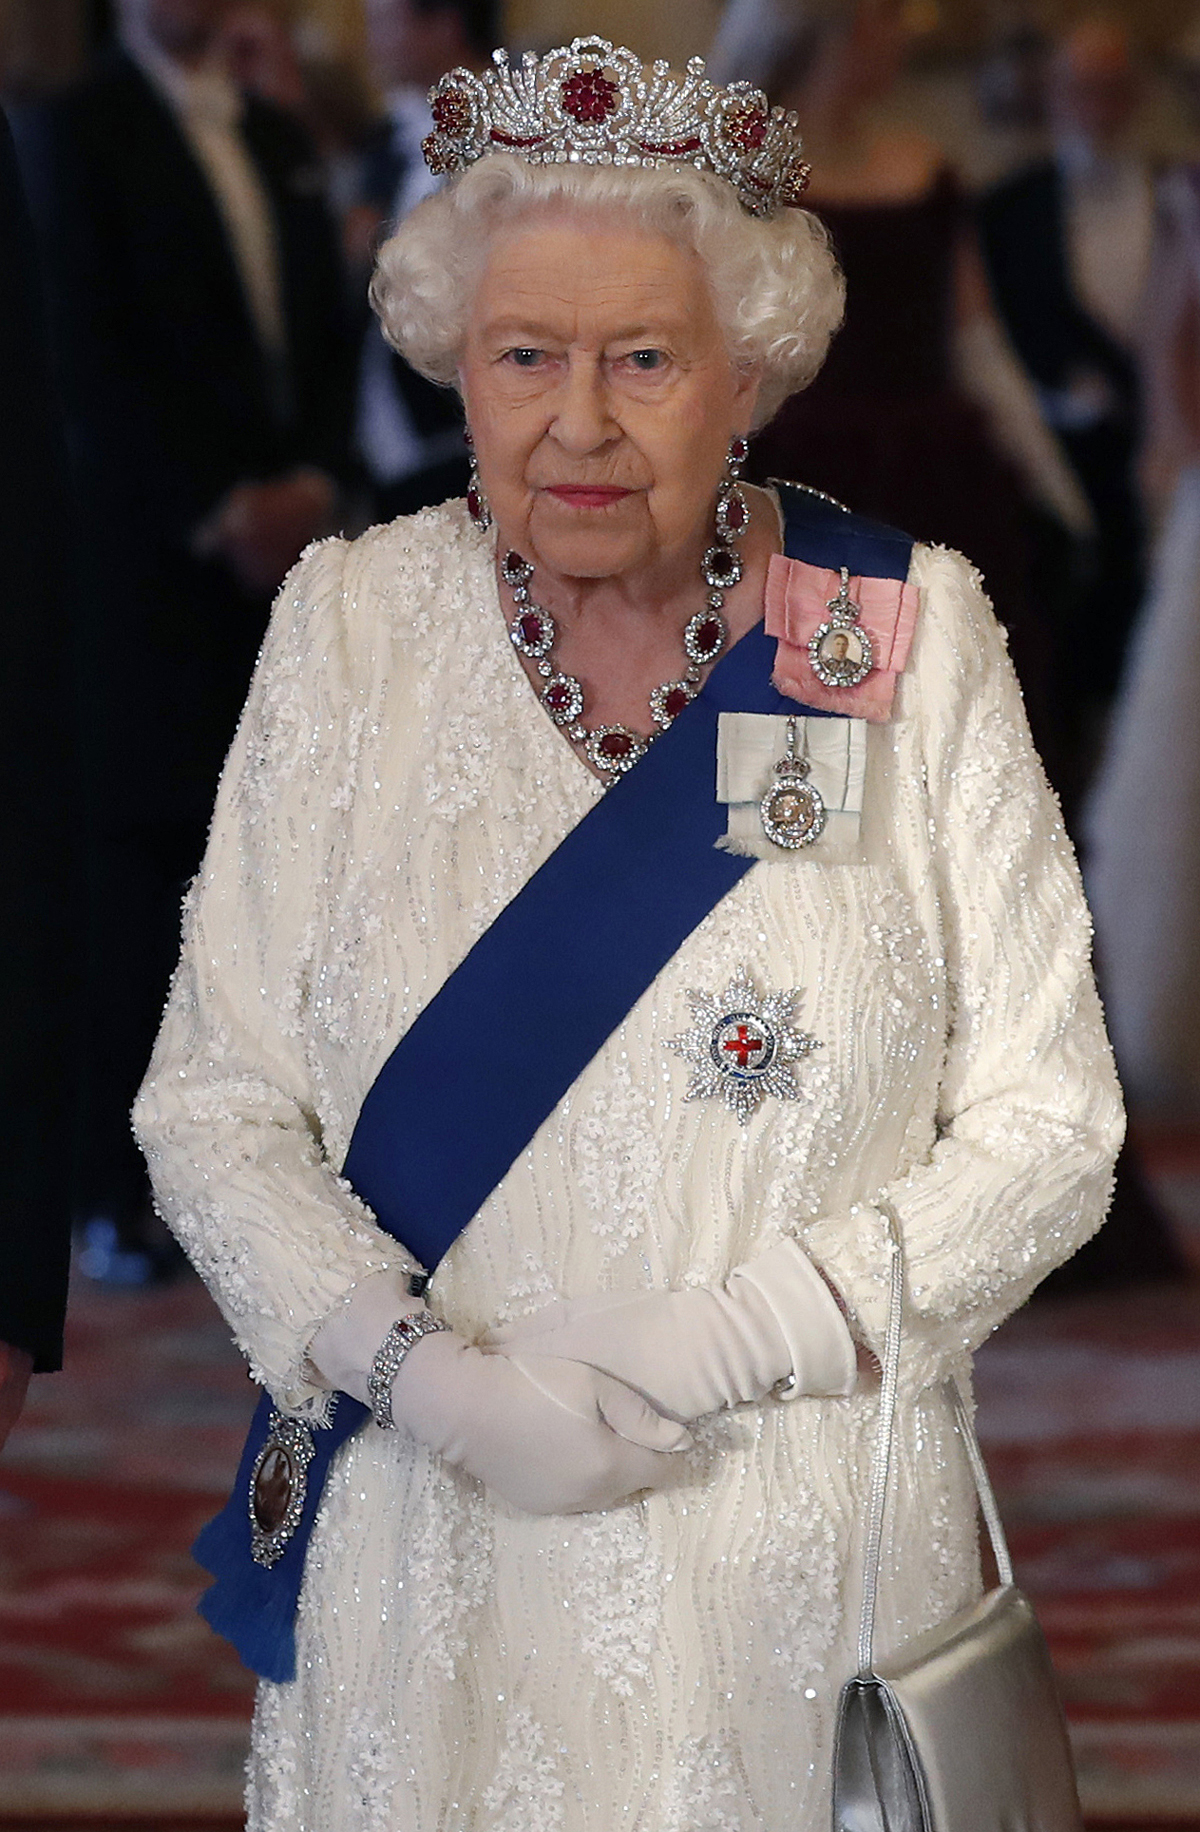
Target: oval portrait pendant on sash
(792, 811)
(278, 1484)
(840, 651)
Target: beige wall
(342, 19)
(677, 28)
(675, 31)
(655, 28)
(40, 39)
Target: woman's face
(600, 396)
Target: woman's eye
(647, 360)
(523, 358)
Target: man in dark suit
(207, 372)
(38, 914)
(1067, 244)
(410, 432)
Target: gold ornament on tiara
(594, 103)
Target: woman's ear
(745, 400)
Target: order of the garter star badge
(742, 1046)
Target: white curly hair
(776, 286)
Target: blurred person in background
(1143, 820)
(1010, 93)
(921, 414)
(38, 930)
(1067, 246)
(270, 52)
(924, 415)
(198, 311)
(257, 47)
(754, 38)
(409, 431)
(259, 52)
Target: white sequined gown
(671, 1665)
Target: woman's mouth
(587, 495)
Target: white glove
(692, 1352)
(551, 1437)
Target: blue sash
(517, 1022)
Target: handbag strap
(881, 1461)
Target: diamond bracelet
(404, 1335)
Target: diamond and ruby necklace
(613, 749)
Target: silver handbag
(962, 1730)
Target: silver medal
(792, 811)
(840, 649)
(741, 1047)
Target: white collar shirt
(1110, 228)
(412, 119)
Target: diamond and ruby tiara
(593, 103)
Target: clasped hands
(587, 1402)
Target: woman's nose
(584, 419)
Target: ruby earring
(733, 511)
(477, 502)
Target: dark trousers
(1096, 636)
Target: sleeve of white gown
(227, 1115)
(1030, 1115)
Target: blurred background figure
(1067, 246)
(755, 38)
(1144, 817)
(924, 416)
(256, 47)
(269, 50)
(39, 929)
(410, 432)
(198, 306)
(921, 415)
(1010, 91)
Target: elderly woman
(630, 964)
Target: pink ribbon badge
(797, 604)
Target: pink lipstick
(586, 496)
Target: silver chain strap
(881, 1461)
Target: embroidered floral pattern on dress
(527, 1792)
(528, 1290)
(619, 1594)
(705, 1792)
(619, 1190)
(798, 1584)
(274, 1769)
(448, 1567)
(372, 1771)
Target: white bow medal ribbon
(751, 744)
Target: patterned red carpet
(117, 1707)
(114, 1696)
(1090, 1413)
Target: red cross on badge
(743, 1045)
